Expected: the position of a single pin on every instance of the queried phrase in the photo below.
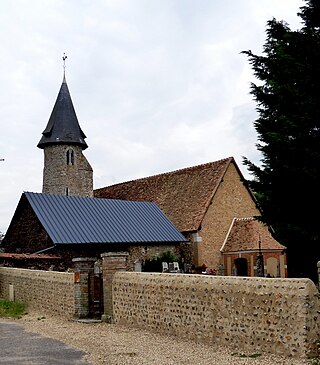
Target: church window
(67, 191)
(70, 157)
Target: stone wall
(64, 177)
(249, 315)
(279, 316)
(232, 199)
(47, 292)
(25, 233)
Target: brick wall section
(84, 266)
(251, 258)
(232, 199)
(251, 315)
(47, 292)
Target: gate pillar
(84, 267)
(111, 263)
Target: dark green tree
(287, 183)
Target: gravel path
(116, 345)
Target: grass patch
(11, 309)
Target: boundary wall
(48, 292)
(279, 316)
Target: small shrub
(10, 309)
(168, 256)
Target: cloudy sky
(157, 85)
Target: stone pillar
(111, 263)
(318, 265)
(84, 266)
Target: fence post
(111, 263)
(84, 266)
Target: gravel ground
(116, 345)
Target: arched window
(273, 268)
(67, 191)
(70, 157)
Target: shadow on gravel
(19, 347)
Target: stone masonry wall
(47, 292)
(59, 176)
(232, 199)
(26, 234)
(279, 316)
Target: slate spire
(63, 126)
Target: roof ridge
(190, 168)
(89, 198)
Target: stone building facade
(202, 201)
(231, 199)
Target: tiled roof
(244, 235)
(75, 220)
(183, 195)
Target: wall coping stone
(84, 259)
(114, 254)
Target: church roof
(244, 235)
(183, 195)
(63, 126)
(80, 220)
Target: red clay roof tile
(183, 195)
(244, 235)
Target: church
(204, 215)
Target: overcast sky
(157, 85)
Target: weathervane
(64, 61)
(64, 57)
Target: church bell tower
(66, 170)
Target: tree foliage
(287, 182)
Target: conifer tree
(287, 182)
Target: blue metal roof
(72, 219)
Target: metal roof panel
(72, 219)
